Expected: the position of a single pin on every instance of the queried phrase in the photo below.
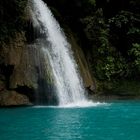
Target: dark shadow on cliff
(45, 94)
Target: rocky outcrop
(17, 70)
(12, 98)
(23, 69)
(17, 56)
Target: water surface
(113, 121)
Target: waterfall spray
(67, 80)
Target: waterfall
(68, 83)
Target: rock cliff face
(23, 73)
(82, 62)
(13, 71)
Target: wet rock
(21, 59)
(2, 86)
(12, 98)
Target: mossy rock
(12, 98)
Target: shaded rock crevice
(12, 98)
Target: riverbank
(106, 92)
(108, 98)
(94, 98)
(116, 90)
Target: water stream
(68, 83)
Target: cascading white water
(69, 86)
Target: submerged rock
(12, 98)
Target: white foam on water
(90, 104)
(82, 104)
